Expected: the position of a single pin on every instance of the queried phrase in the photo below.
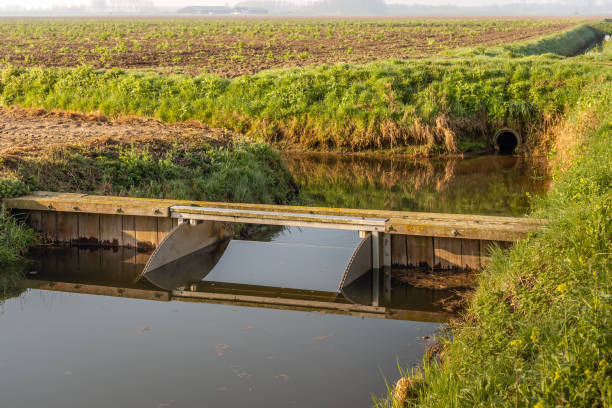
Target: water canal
(62, 349)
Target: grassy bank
(15, 239)
(185, 168)
(566, 44)
(537, 331)
(419, 106)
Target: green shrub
(10, 187)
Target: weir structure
(184, 234)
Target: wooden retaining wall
(100, 230)
(408, 251)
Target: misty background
(307, 7)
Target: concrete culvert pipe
(506, 141)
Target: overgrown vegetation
(190, 169)
(426, 105)
(537, 331)
(15, 239)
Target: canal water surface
(61, 349)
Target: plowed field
(232, 47)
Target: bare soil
(232, 47)
(28, 132)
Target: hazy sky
(180, 3)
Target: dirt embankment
(28, 132)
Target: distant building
(205, 10)
(215, 10)
(256, 11)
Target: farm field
(232, 47)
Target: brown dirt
(232, 47)
(27, 132)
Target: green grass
(15, 239)
(566, 44)
(537, 332)
(382, 105)
(181, 169)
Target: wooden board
(67, 227)
(467, 229)
(447, 253)
(420, 251)
(89, 229)
(146, 232)
(399, 255)
(128, 231)
(35, 220)
(111, 230)
(83, 203)
(48, 227)
(470, 254)
(101, 290)
(164, 226)
(397, 222)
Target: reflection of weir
(57, 270)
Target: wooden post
(386, 250)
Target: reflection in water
(96, 336)
(189, 269)
(488, 185)
(372, 295)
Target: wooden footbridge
(175, 229)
